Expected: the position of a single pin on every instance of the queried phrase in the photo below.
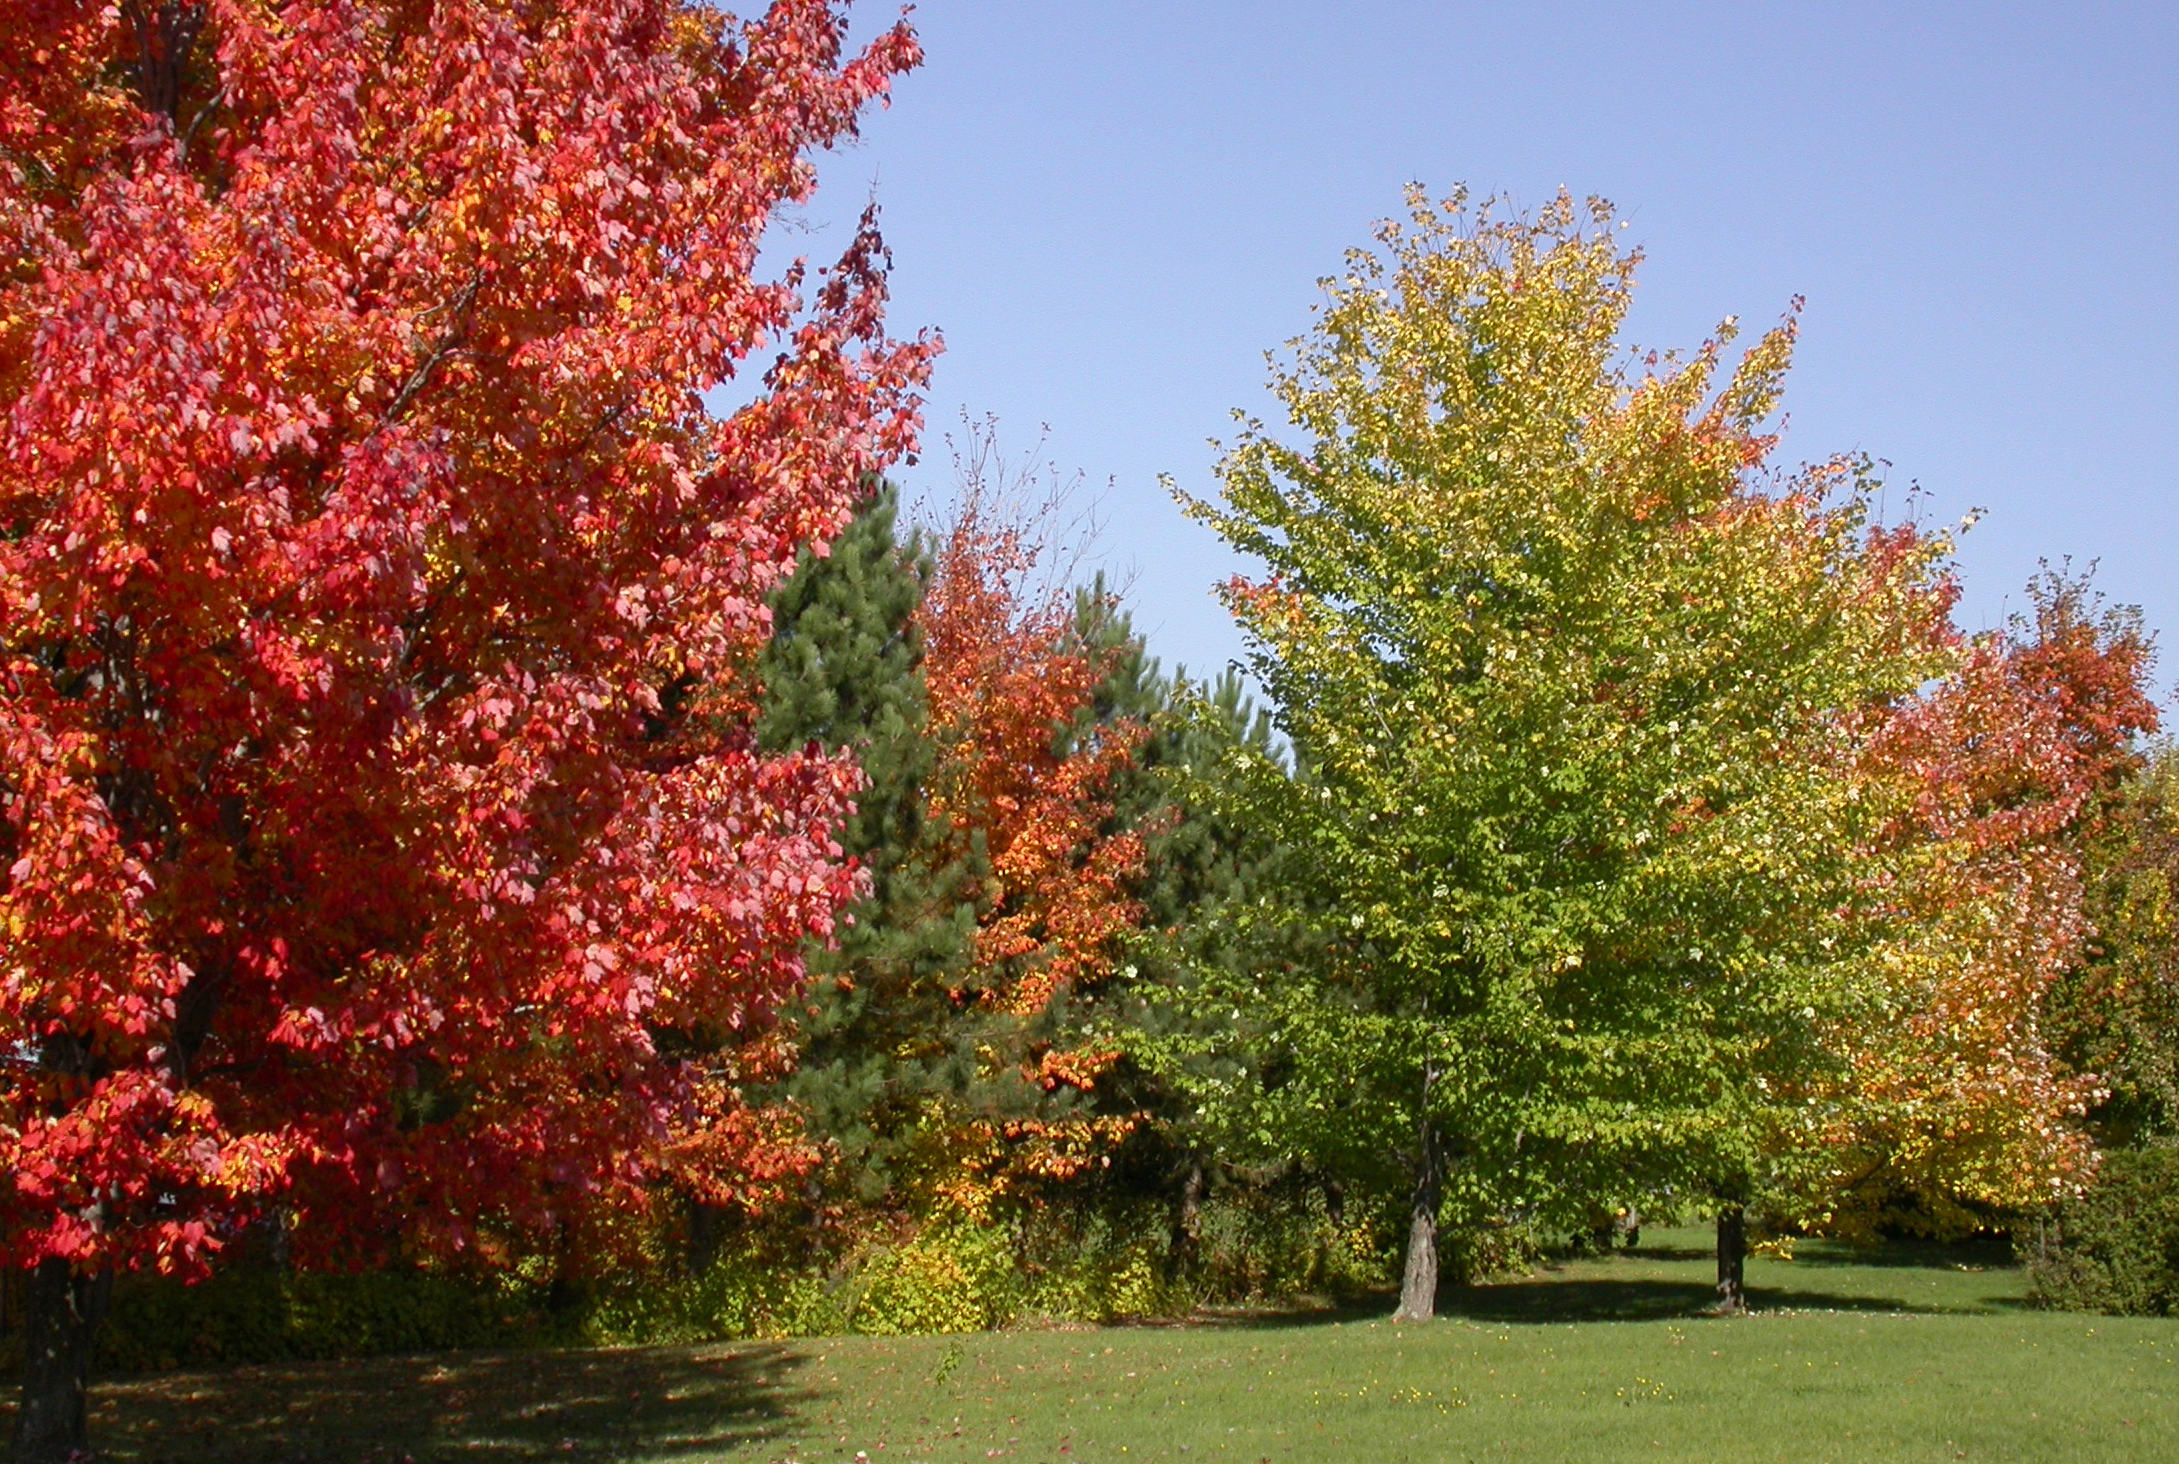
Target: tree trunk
(1732, 1260)
(61, 1316)
(1419, 1281)
(1180, 1254)
(707, 1228)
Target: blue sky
(1112, 210)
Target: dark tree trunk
(277, 1249)
(1184, 1245)
(61, 1316)
(166, 33)
(707, 1228)
(1732, 1260)
(1419, 1281)
(1335, 1203)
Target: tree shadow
(1546, 1300)
(1667, 1251)
(638, 1404)
(1669, 1279)
(1926, 1255)
(1311, 1312)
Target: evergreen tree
(879, 1031)
(1201, 866)
(924, 1034)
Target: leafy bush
(749, 1290)
(954, 1276)
(1102, 1264)
(2116, 1247)
(1476, 1253)
(1265, 1246)
(950, 1273)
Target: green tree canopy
(1579, 686)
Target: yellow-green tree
(1580, 686)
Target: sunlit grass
(1909, 1354)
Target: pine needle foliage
(878, 1031)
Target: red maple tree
(376, 595)
(1009, 681)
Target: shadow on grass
(641, 1404)
(1664, 1251)
(1550, 1300)
(1547, 1299)
(1671, 1280)
(1973, 1255)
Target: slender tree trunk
(1419, 1282)
(61, 1315)
(1732, 1260)
(1184, 1245)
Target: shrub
(2115, 1248)
(752, 1289)
(1094, 1262)
(955, 1275)
(1475, 1253)
(1262, 1245)
(1102, 1264)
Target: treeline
(1629, 831)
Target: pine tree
(942, 1032)
(1200, 867)
(878, 1031)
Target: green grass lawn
(1909, 1354)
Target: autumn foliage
(418, 840)
(366, 555)
(1960, 1103)
(1024, 779)
(1023, 771)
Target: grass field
(1909, 1354)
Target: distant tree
(1581, 690)
(377, 800)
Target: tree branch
(166, 34)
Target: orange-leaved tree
(374, 594)
(1023, 786)
(1959, 1104)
